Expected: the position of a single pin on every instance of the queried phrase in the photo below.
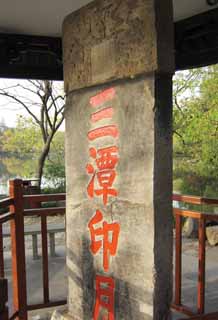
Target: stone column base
(62, 315)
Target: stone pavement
(190, 266)
(58, 280)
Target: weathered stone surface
(142, 268)
(212, 235)
(113, 39)
(127, 46)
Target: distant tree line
(35, 147)
(196, 132)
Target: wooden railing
(202, 218)
(16, 215)
(4, 299)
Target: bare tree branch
(50, 116)
(20, 102)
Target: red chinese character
(110, 235)
(107, 131)
(106, 179)
(106, 160)
(106, 113)
(104, 287)
(102, 97)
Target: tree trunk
(41, 163)
(42, 158)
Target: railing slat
(44, 211)
(45, 197)
(194, 199)
(18, 251)
(6, 217)
(14, 316)
(183, 309)
(2, 269)
(46, 305)
(45, 259)
(4, 203)
(4, 299)
(16, 214)
(201, 267)
(195, 214)
(187, 213)
(178, 260)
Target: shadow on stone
(125, 307)
(85, 282)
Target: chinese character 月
(104, 287)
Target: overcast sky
(10, 111)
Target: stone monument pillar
(118, 65)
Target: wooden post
(18, 251)
(201, 268)
(1, 253)
(45, 259)
(3, 299)
(52, 244)
(35, 246)
(178, 260)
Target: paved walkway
(58, 281)
(189, 281)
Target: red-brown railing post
(178, 259)
(2, 273)
(3, 299)
(18, 251)
(201, 266)
(45, 273)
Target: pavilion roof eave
(39, 57)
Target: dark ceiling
(196, 40)
(196, 44)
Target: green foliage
(45, 108)
(24, 139)
(58, 189)
(54, 170)
(22, 146)
(3, 170)
(196, 134)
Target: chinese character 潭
(106, 160)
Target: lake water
(4, 185)
(4, 188)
